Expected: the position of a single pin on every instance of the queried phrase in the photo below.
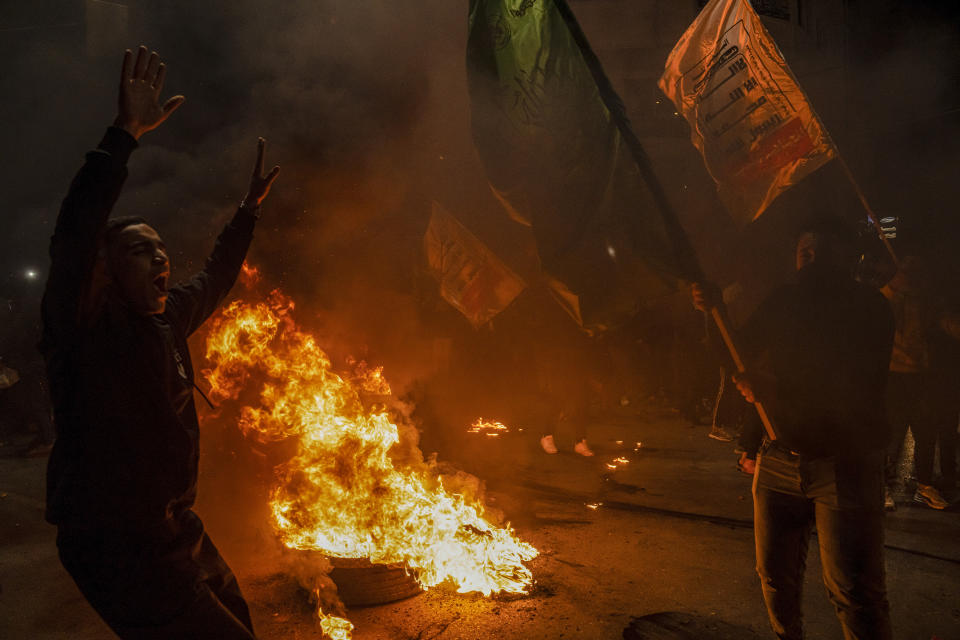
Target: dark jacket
(121, 383)
(826, 340)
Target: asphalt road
(670, 532)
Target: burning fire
(345, 492)
(367, 380)
(249, 275)
(490, 428)
(617, 462)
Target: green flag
(561, 157)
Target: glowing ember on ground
(490, 428)
(335, 628)
(342, 493)
(616, 463)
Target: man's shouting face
(140, 268)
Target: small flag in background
(472, 279)
(748, 116)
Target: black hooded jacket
(826, 340)
(121, 383)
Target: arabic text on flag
(748, 116)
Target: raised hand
(755, 386)
(141, 81)
(259, 183)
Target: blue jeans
(843, 499)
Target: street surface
(670, 532)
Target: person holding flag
(819, 347)
(757, 131)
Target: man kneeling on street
(122, 476)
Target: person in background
(728, 410)
(910, 393)
(122, 476)
(945, 397)
(817, 353)
(563, 375)
(24, 398)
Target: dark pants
(908, 406)
(844, 501)
(166, 583)
(944, 414)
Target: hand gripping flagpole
(719, 317)
(686, 256)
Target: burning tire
(361, 583)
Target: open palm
(141, 81)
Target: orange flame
(368, 380)
(249, 275)
(491, 428)
(342, 493)
(335, 628)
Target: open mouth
(160, 284)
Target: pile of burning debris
(357, 486)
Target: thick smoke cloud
(363, 104)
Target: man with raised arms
(122, 476)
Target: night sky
(364, 105)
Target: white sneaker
(548, 445)
(582, 448)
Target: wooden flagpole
(682, 246)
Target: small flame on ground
(616, 463)
(335, 628)
(492, 428)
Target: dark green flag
(561, 157)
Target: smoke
(353, 97)
(364, 106)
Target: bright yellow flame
(335, 628)
(342, 493)
(488, 427)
